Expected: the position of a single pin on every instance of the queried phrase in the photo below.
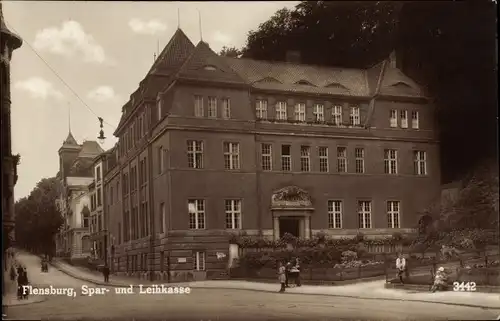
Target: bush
(349, 256)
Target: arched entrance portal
(291, 208)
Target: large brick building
(212, 145)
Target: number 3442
(464, 286)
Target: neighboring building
(210, 146)
(8, 43)
(76, 174)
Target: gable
(203, 56)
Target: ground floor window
(199, 261)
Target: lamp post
(101, 136)
(105, 231)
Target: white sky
(102, 50)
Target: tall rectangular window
(159, 108)
(390, 161)
(342, 159)
(261, 109)
(393, 214)
(354, 117)
(212, 107)
(161, 160)
(337, 115)
(334, 214)
(231, 155)
(393, 118)
(403, 116)
(267, 157)
(300, 112)
(233, 214)
(323, 159)
(286, 158)
(196, 209)
(198, 106)
(226, 108)
(359, 154)
(420, 162)
(199, 261)
(414, 119)
(162, 217)
(305, 158)
(319, 112)
(281, 111)
(364, 214)
(195, 153)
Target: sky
(95, 54)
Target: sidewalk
(368, 290)
(10, 297)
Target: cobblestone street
(203, 304)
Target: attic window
(304, 82)
(401, 85)
(269, 79)
(336, 85)
(210, 68)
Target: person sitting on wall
(401, 267)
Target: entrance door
(289, 225)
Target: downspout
(371, 107)
(151, 210)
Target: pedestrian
(288, 267)
(19, 282)
(297, 277)
(25, 281)
(282, 276)
(12, 273)
(401, 267)
(105, 272)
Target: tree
(37, 218)
(451, 53)
(232, 52)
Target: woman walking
(282, 276)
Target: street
(215, 304)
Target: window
(403, 115)
(364, 214)
(300, 112)
(393, 117)
(85, 217)
(414, 119)
(261, 109)
(119, 233)
(162, 261)
(233, 214)
(141, 126)
(226, 108)
(286, 158)
(354, 116)
(337, 115)
(199, 261)
(99, 197)
(231, 155)
(161, 160)
(162, 216)
(390, 161)
(393, 214)
(111, 195)
(196, 210)
(198, 106)
(281, 110)
(159, 108)
(319, 112)
(195, 153)
(267, 157)
(334, 214)
(305, 158)
(359, 154)
(98, 173)
(342, 159)
(420, 162)
(323, 159)
(212, 107)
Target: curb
(269, 291)
(19, 303)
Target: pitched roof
(14, 39)
(395, 82)
(204, 64)
(174, 54)
(82, 167)
(70, 140)
(90, 149)
(288, 77)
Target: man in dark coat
(105, 272)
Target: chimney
(293, 56)
(396, 60)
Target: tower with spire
(9, 41)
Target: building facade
(8, 43)
(76, 173)
(210, 146)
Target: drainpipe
(151, 211)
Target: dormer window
(335, 85)
(304, 82)
(210, 68)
